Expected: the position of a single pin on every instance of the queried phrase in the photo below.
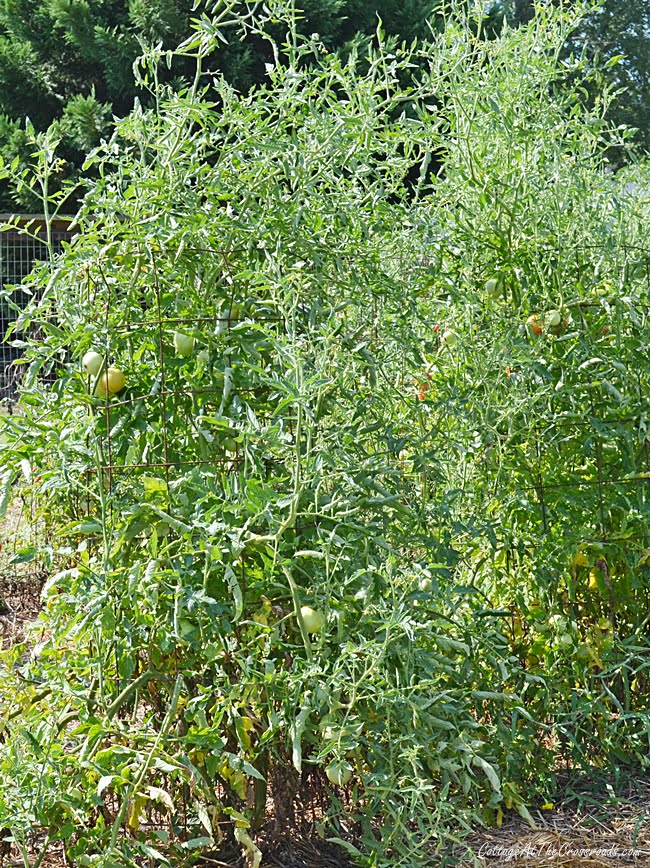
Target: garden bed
(591, 827)
(286, 853)
(20, 584)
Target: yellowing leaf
(135, 811)
(252, 852)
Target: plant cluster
(301, 455)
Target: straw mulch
(591, 830)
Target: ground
(602, 836)
(610, 833)
(20, 584)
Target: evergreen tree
(622, 29)
(71, 61)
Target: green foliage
(84, 120)
(361, 426)
(549, 429)
(614, 36)
(57, 56)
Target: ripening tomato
(111, 381)
(534, 324)
(115, 380)
(101, 388)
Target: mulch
(289, 852)
(286, 852)
(611, 834)
(20, 583)
(591, 828)
(20, 602)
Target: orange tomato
(534, 324)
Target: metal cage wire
(20, 250)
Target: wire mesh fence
(22, 244)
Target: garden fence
(21, 246)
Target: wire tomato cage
(195, 344)
(558, 432)
(199, 410)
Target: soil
(23, 603)
(286, 853)
(590, 828)
(596, 837)
(20, 584)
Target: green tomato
(312, 619)
(584, 652)
(638, 271)
(92, 362)
(554, 318)
(183, 344)
(230, 445)
(237, 311)
(449, 338)
(339, 773)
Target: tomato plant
(259, 276)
